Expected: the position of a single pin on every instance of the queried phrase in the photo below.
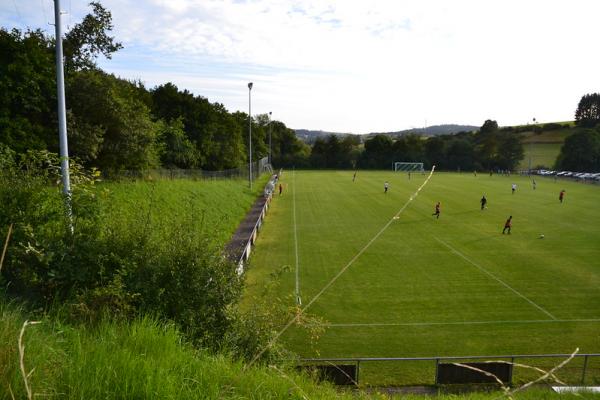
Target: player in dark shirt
(507, 225)
(437, 210)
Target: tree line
(116, 124)
(490, 148)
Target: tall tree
(378, 152)
(89, 38)
(487, 144)
(588, 110)
(109, 109)
(510, 150)
(581, 152)
(435, 152)
(27, 91)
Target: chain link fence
(258, 168)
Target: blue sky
(356, 66)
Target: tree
(581, 152)
(435, 152)
(176, 149)
(487, 147)
(510, 151)
(460, 154)
(318, 154)
(27, 91)
(588, 110)
(409, 148)
(109, 109)
(88, 39)
(378, 152)
(288, 150)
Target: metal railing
(512, 358)
(252, 237)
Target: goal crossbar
(408, 166)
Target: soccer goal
(408, 166)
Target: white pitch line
(296, 238)
(291, 321)
(532, 321)
(458, 253)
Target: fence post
(357, 371)
(512, 368)
(437, 366)
(585, 362)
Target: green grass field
(419, 287)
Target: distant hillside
(309, 136)
(434, 130)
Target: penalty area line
(506, 285)
(340, 273)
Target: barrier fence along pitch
(438, 360)
(248, 247)
(178, 173)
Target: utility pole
(250, 133)
(531, 146)
(62, 113)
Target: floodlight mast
(250, 133)
(62, 114)
(531, 146)
(270, 151)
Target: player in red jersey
(507, 225)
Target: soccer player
(437, 210)
(483, 202)
(507, 225)
(386, 185)
(561, 195)
(514, 188)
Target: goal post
(408, 166)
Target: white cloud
(364, 66)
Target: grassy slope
(218, 205)
(144, 360)
(416, 284)
(543, 147)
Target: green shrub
(171, 270)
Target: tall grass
(148, 359)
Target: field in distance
(417, 286)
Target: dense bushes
(102, 265)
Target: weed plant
(149, 359)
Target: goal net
(408, 166)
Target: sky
(355, 66)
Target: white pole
(250, 133)
(531, 146)
(62, 114)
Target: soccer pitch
(417, 286)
